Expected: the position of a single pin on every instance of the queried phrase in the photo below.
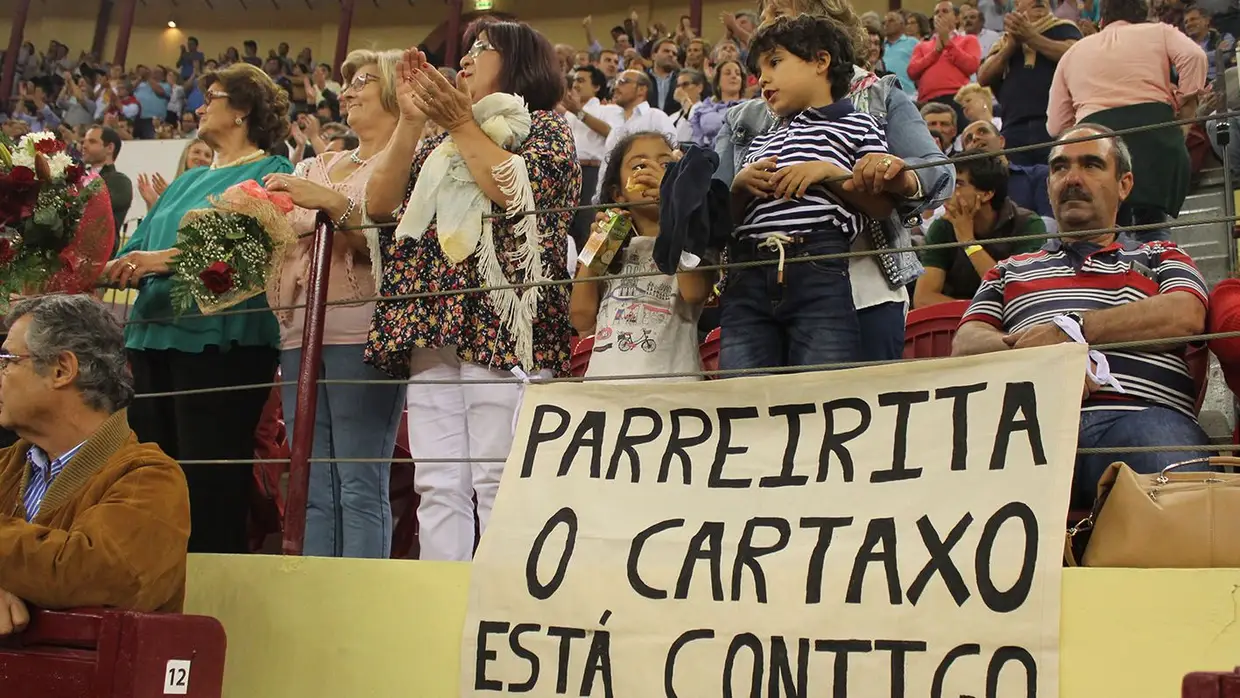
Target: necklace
(357, 160)
(252, 157)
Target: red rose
(218, 278)
(20, 175)
(18, 193)
(74, 173)
(49, 146)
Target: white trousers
(450, 422)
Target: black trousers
(582, 220)
(206, 426)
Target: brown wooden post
(122, 35)
(10, 56)
(342, 35)
(452, 44)
(101, 28)
(695, 16)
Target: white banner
(878, 532)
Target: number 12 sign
(176, 677)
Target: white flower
(24, 157)
(27, 142)
(58, 162)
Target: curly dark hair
(250, 90)
(806, 37)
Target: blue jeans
(809, 319)
(348, 511)
(1152, 426)
(882, 331)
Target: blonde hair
(385, 62)
(185, 154)
(973, 88)
(839, 11)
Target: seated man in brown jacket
(88, 516)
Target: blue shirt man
(897, 50)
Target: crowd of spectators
(794, 98)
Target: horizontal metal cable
(713, 373)
(927, 165)
(1220, 448)
(794, 260)
(1179, 223)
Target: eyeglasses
(479, 48)
(683, 85)
(212, 95)
(359, 82)
(7, 359)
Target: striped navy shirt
(1030, 289)
(42, 472)
(836, 133)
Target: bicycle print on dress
(645, 326)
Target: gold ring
(131, 266)
(886, 163)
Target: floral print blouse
(467, 321)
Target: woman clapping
(348, 513)
(443, 244)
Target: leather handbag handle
(1216, 461)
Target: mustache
(1074, 193)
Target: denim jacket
(907, 137)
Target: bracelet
(972, 250)
(348, 211)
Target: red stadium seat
(582, 350)
(103, 653)
(710, 352)
(928, 332)
(404, 499)
(1198, 358)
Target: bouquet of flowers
(228, 251)
(56, 226)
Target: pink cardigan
(350, 277)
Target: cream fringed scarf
(445, 192)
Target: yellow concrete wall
(311, 627)
(377, 23)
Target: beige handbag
(1185, 520)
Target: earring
(237, 121)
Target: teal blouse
(151, 324)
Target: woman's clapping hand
(151, 187)
(450, 106)
(412, 62)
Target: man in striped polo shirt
(1112, 289)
